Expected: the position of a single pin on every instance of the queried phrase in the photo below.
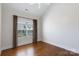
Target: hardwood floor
(39, 49)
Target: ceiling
(37, 9)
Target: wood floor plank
(39, 49)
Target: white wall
(0, 26)
(61, 26)
(7, 24)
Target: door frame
(15, 18)
(14, 31)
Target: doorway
(24, 31)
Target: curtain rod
(24, 17)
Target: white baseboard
(10, 46)
(70, 49)
(6, 47)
